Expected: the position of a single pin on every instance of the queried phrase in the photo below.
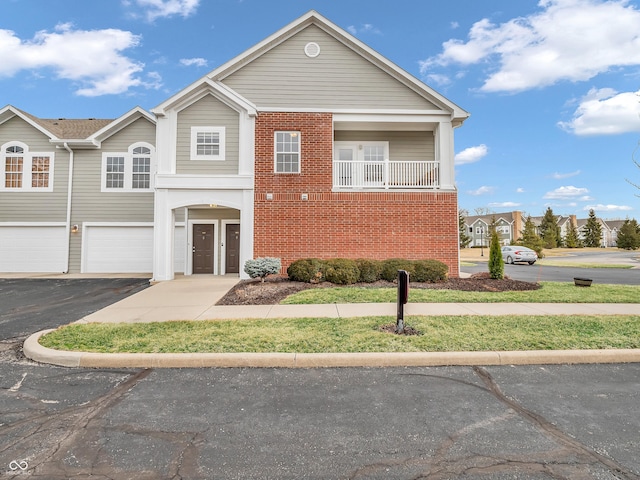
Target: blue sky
(552, 85)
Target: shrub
(309, 270)
(370, 270)
(496, 263)
(429, 271)
(341, 271)
(391, 266)
(261, 267)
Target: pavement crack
(552, 431)
(49, 436)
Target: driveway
(32, 304)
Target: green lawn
(315, 335)
(551, 292)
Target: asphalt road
(540, 422)
(556, 422)
(549, 273)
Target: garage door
(33, 249)
(126, 249)
(118, 249)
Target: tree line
(548, 234)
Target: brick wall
(328, 224)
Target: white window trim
(275, 152)
(128, 169)
(26, 168)
(194, 143)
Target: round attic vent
(312, 49)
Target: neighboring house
(508, 225)
(610, 231)
(511, 224)
(309, 144)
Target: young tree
(530, 237)
(629, 235)
(549, 229)
(592, 231)
(571, 239)
(465, 239)
(496, 264)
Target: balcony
(387, 174)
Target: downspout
(69, 195)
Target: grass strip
(551, 292)
(319, 335)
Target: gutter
(69, 196)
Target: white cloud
(560, 176)
(364, 28)
(605, 112)
(154, 9)
(471, 154)
(607, 208)
(520, 190)
(438, 79)
(91, 58)
(504, 204)
(565, 193)
(198, 62)
(481, 191)
(572, 40)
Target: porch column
(163, 225)
(246, 230)
(444, 152)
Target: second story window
(287, 152)
(127, 171)
(207, 143)
(25, 171)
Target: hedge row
(342, 271)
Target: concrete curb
(34, 351)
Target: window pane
(15, 149)
(115, 172)
(141, 172)
(40, 172)
(13, 172)
(287, 152)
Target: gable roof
(314, 18)
(89, 132)
(218, 75)
(56, 129)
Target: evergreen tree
(549, 229)
(496, 264)
(629, 235)
(592, 231)
(465, 239)
(571, 239)
(530, 237)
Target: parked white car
(517, 254)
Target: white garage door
(118, 249)
(33, 249)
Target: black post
(403, 297)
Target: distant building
(511, 224)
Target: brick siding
(376, 225)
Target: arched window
(22, 170)
(128, 171)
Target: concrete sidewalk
(194, 298)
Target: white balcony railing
(386, 174)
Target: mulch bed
(276, 288)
